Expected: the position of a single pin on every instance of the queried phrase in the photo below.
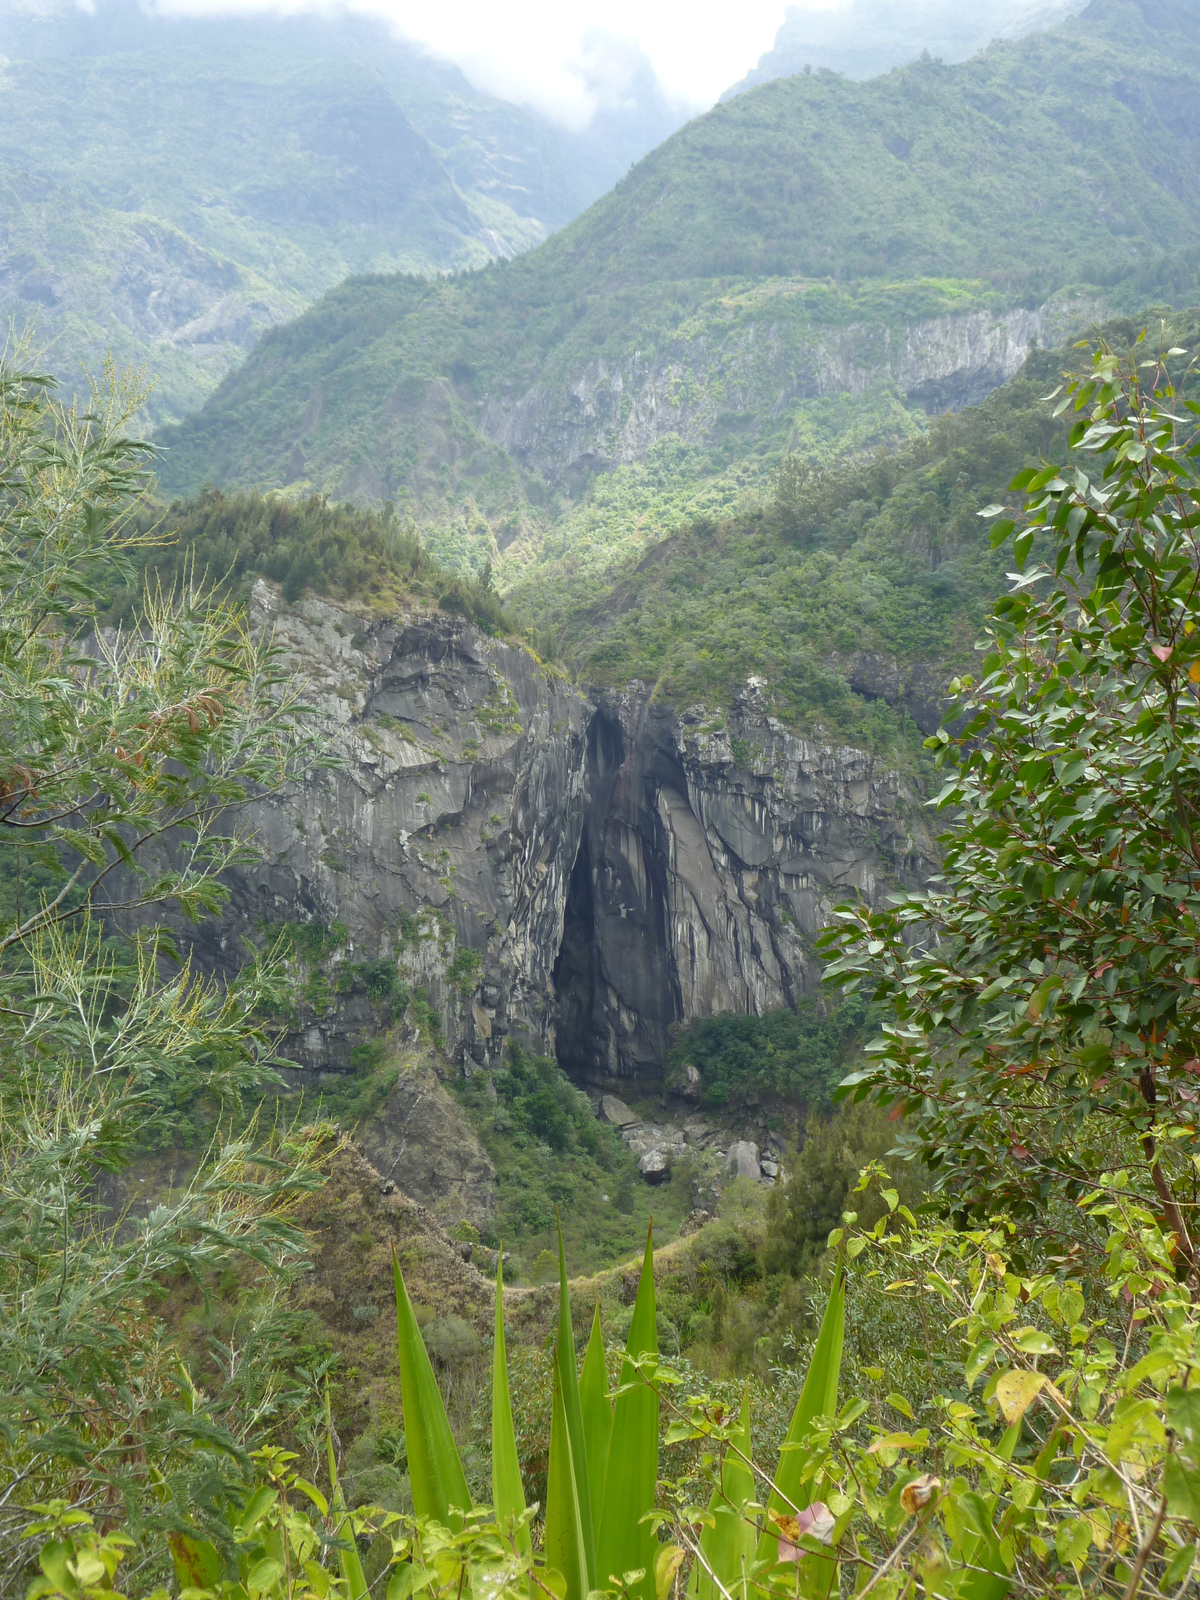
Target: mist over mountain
(172, 187)
(869, 37)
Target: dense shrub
(798, 1055)
(345, 551)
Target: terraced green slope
(817, 263)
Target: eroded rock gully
(575, 873)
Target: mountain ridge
(937, 191)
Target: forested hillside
(816, 263)
(853, 595)
(171, 188)
(968, 1370)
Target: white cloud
(567, 59)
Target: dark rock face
(577, 875)
(712, 851)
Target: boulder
(690, 1082)
(617, 1112)
(770, 1169)
(655, 1166)
(742, 1160)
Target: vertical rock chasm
(713, 847)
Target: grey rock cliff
(444, 842)
(612, 411)
(579, 875)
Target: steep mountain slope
(773, 275)
(172, 188)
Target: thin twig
(1139, 1566)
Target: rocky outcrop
(421, 1141)
(496, 857)
(759, 361)
(441, 843)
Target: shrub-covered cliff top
(344, 551)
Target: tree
(1045, 992)
(804, 1209)
(123, 758)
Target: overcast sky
(564, 57)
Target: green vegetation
(797, 1055)
(106, 1041)
(171, 188)
(805, 1209)
(882, 559)
(552, 1155)
(343, 551)
(980, 1496)
(885, 556)
(1033, 1429)
(750, 287)
(1044, 1022)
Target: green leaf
(728, 1545)
(564, 1545)
(1181, 1485)
(597, 1415)
(978, 1360)
(434, 1469)
(197, 1562)
(1183, 1415)
(266, 1573)
(564, 1361)
(508, 1492)
(314, 1494)
(1033, 1341)
(256, 1508)
(818, 1398)
(354, 1578)
(630, 1480)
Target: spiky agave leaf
(434, 1470)
(564, 1545)
(818, 1398)
(625, 1542)
(597, 1415)
(508, 1492)
(564, 1361)
(728, 1546)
